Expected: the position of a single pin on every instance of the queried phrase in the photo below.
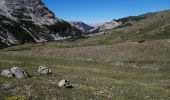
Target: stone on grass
(44, 70)
(64, 84)
(19, 73)
(6, 73)
(89, 60)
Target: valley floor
(123, 71)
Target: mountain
(150, 26)
(81, 26)
(23, 21)
(107, 26)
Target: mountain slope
(81, 26)
(146, 27)
(30, 21)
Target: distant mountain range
(85, 28)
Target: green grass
(165, 34)
(93, 80)
(107, 39)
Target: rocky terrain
(23, 21)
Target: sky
(97, 11)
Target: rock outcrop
(109, 25)
(19, 73)
(15, 72)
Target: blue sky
(96, 11)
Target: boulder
(44, 70)
(64, 84)
(19, 73)
(6, 73)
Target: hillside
(146, 27)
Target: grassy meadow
(122, 71)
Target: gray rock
(44, 70)
(109, 25)
(64, 84)
(89, 60)
(19, 73)
(6, 73)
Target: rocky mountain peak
(29, 10)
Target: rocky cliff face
(107, 26)
(30, 21)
